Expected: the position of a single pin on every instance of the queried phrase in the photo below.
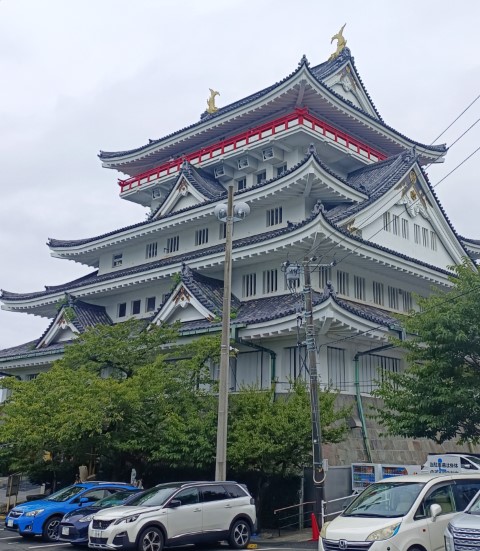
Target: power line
(452, 123)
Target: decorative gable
(181, 196)
(182, 306)
(62, 329)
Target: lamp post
(229, 214)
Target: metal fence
(294, 517)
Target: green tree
(437, 396)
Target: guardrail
(325, 504)
(294, 517)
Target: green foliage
(273, 434)
(437, 396)
(176, 279)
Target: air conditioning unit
(272, 154)
(223, 173)
(247, 164)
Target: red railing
(300, 117)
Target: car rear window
(234, 490)
(214, 493)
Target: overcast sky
(78, 76)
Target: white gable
(408, 220)
(346, 84)
(182, 306)
(61, 330)
(182, 195)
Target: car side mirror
(435, 510)
(174, 503)
(83, 500)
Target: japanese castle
(325, 179)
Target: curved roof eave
(59, 245)
(120, 157)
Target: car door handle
(197, 510)
(228, 506)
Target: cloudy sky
(83, 75)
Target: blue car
(42, 517)
(74, 526)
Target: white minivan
(403, 513)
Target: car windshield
(474, 509)
(115, 499)
(65, 494)
(474, 459)
(384, 500)
(154, 497)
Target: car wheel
(50, 529)
(240, 534)
(151, 539)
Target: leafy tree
(273, 435)
(437, 396)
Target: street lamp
(229, 214)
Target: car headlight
(384, 533)
(131, 518)
(323, 531)
(88, 518)
(34, 513)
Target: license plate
(96, 533)
(9, 522)
(65, 530)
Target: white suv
(176, 514)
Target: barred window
(425, 237)
(324, 276)
(396, 224)
(241, 184)
(407, 301)
(249, 285)
(296, 362)
(433, 241)
(416, 233)
(281, 169)
(373, 369)
(378, 293)
(405, 231)
(274, 216)
(270, 281)
(151, 250)
(201, 237)
(393, 295)
(359, 287)
(386, 221)
(262, 177)
(342, 283)
(173, 244)
(337, 376)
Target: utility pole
(318, 472)
(221, 457)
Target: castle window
(117, 260)
(359, 287)
(249, 285)
(173, 244)
(407, 301)
(386, 221)
(396, 224)
(337, 376)
(270, 281)
(416, 233)
(425, 237)
(281, 169)
(433, 241)
(393, 295)
(201, 236)
(151, 250)
(122, 310)
(274, 216)
(374, 367)
(342, 283)
(136, 306)
(241, 184)
(405, 233)
(32, 376)
(262, 177)
(324, 276)
(150, 304)
(378, 293)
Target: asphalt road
(9, 541)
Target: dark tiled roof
(468, 240)
(28, 350)
(375, 180)
(201, 180)
(59, 243)
(319, 73)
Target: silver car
(463, 531)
